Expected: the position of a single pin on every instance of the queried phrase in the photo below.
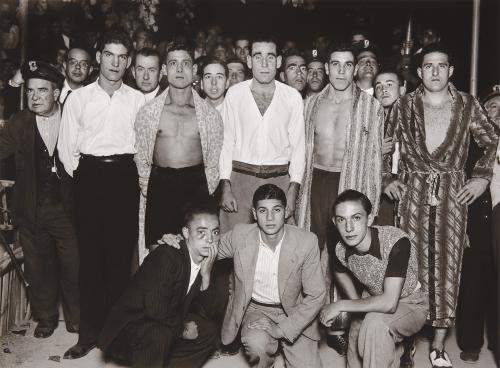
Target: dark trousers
(169, 193)
(477, 308)
(51, 264)
(149, 344)
(106, 208)
(324, 191)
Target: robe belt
(434, 181)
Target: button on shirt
(93, 123)
(195, 269)
(265, 282)
(277, 138)
(49, 129)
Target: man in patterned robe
(433, 125)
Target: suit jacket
(158, 292)
(301, 283)
(18, 138)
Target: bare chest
(437, 124)
(262, 100)
(332, 120)
(178, 121)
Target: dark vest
(48, 185)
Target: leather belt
(109, 159)
(260, 171)
(266, 304)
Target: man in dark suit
(159, 320)
(42, 201)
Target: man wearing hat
(42, 201)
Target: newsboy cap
(41, 70)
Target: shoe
(44, 329)
(230, 349)
(338, 343)
(79, 350)
(439, 359)
(406, 360)
(470, 357)
(72, 328)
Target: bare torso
(330, 133)
(437, 122)
(178, 141)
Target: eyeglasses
(82, 63)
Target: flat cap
(494, 93)
(41, 70)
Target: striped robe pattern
(362, 164)
(429, 211)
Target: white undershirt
(195, 269)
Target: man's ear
(282, 77)
(371, 218)
(185, 232)
(419, 72)
(133, 72)
(129, 61)
(57, 93)
(98, 57)
(163, 70)
(65, 66)
(402, 90)
(227, 84)
(254, 214)
(249, 62)
(195, 68)
(327, 70)
(356, 68)
(278, 62)
(451, 69)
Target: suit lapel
(248, 259)
(287, 261)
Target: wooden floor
(28, 352)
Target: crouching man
(158, 321)
(279, 287)
(383, 261)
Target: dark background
(338, 18)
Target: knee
(155, 334)
(256, 344)
(374, 323)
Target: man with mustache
(344, 129)
(294, 70)
(433, 126)
(315, 78)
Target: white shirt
(150, 95)
(64, 91)
(276, 138)
(495, 180)
(48, 127)
(94, 123)
(195, 269)
(265, 282)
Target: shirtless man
(179, 139)
(333, 163)
(263, 141)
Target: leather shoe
(77, 351)
(338, 343)
(469, 356)
(72, 328)
(44, 329)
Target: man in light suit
(278, 288)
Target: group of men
(103, 167)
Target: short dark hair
(180, 47)
(340, 47)
(268, 191)
(437, 47)
(214, 61)
(116, 36)
(390, 70)
(147, 51)
(292, 52)
(204, 206)
(263, 38)
(351, 195)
